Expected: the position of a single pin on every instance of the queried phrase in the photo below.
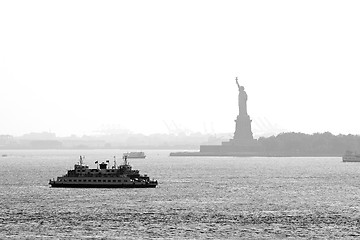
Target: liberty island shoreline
(248, 154)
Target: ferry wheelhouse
(103, 176)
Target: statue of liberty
(242, 99)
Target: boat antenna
(125, 160)
(115, 161)
(81, 160)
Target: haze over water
(209, 197)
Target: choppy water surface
(197, 198)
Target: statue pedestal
(243, 131)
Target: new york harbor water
(197, 198)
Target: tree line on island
(314, 144)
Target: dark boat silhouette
(122, 176)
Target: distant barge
(351, 157)
(134, 155)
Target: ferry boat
(351, 157)
(103, 176)
(134, 155)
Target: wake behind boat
(103, 176)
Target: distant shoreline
(182, 152)
(190, 148)
(247, 154)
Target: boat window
(114, 180)
(99, 180)
(75, 180)
(104, 180)
(109, 180)
(84, 180)
(70, 180)
(94, 180)
(119, 180)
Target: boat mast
(125, 160)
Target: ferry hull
(60, 185)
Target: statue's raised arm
(237, 83)
(242, 99)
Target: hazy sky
(80, 66)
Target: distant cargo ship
(122, 176)
(135, 155)
(351, 157)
